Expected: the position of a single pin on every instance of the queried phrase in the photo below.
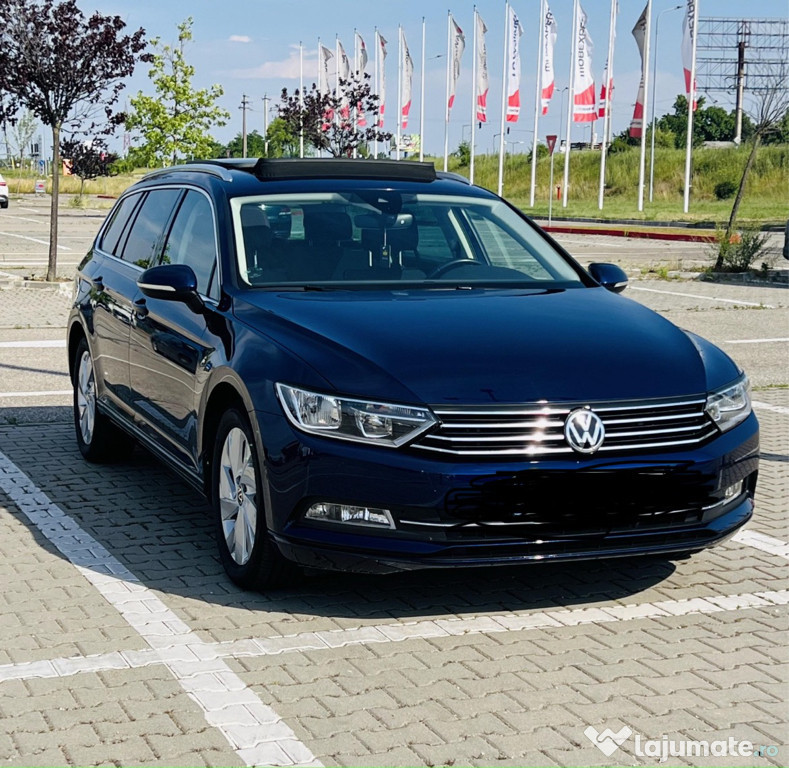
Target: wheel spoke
(238, 495)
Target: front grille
(538, 429)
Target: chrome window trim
(185, 186)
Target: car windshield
(373, 238)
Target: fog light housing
(369, 517)
(733, 490)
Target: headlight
(362, 421)
(729, 406)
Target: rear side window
(118, 224)
(192, 240)
(147, 231)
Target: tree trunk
(738, 198)
(52, 266)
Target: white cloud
(287, 69)
(240, 39)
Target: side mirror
(171, 282)
(610, 276)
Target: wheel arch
(75, 335)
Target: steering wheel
(454, 264)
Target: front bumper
(452, 514)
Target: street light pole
(654, 99)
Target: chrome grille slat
(538, 429)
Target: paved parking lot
(122, 642)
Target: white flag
(323, 69)
(407, 70)
(639, 33)
(323, 83)
(688, 33)
(482, 71)
(381, 79)
(343, 72)
(360, 60)
(548, 43)
(514, 32)
(584, 96)
(458, 46)
(359, 65)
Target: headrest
(327, 225)
(253, 216)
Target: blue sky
(252, 48)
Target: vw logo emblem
(584, 430)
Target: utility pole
(244, 106)
(740, 90)
(265, 124)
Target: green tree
(176, 121)
(282, 142)
(67, 70)
(255, 145)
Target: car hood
(483, 345)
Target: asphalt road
(122, 642)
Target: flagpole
(399, 88)
(643, 156)
(449, 64)
(537, 100)
(570, 104)
(691, 102)
(504, 71)
(354, 107)
(422, 100)
(473, 98)
(377, 93)
(301, 98)
(609, 77)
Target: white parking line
(254, 730)
(707, 298)
(33, 240)
(43, 344)
(400, 631)
(759, 405)
(40, 393)
(765, 543)
(753, 341)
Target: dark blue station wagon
(372, 366)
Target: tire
(98, 439)
(249, 556)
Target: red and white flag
(380, 77)
(482, 72)
(639, 33)
(343, 73)
(407, 76)
(458, 46)
(547, 78)
(514, 32)
(584, 110)
(688, 33)
(606, 88)
(359, 65)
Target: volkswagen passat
(371, 366)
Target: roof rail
(193, 166)
(452, 176)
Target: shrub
(725, 189)
(741, 250)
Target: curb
(691, 237)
